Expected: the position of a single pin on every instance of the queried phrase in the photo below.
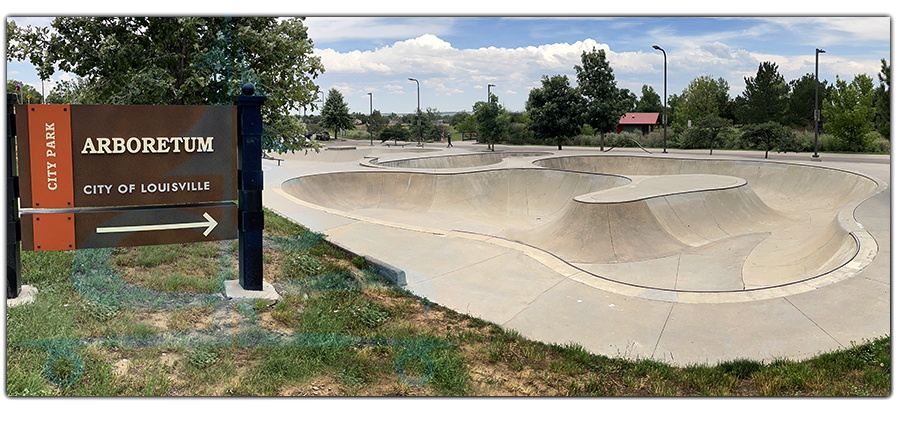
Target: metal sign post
(13, 254)
(250, 187)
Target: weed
(202, 357)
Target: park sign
(84, 156)
(124, 175)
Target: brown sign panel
(105, 228)
(74, 156)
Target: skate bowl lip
(864, 242)
(501, 158)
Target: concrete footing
(233, 290)
(25, 297)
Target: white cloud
(322, 29)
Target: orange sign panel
(50, 148)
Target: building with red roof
(643, 121)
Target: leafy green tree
(605, 104)
(377, 122)
(335, 113)
(396, 132)
(801, 102)
(702, 97)
(26, 93)
(766, 96)
(457, 118)
(671, 108)
(768, 136)
(849, 112)
(554, 109)
(883, 101)
(180, 61)
(467, 124)
(706, 131)
(493, 121)
(649, 101)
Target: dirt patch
(159, 319)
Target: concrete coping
(646, 187)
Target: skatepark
(683, 257)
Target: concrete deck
(682, 257)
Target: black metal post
(665, 98)
(418, 112)
(369, 123)
(816, 108)
(490, 144)
(13, 229)
(250, 186)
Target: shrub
(519, 134)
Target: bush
(655, 139)
(806, 140)
(586, 140)
(880, 146)
(357, 134)
(519, 134)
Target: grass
(329, 296)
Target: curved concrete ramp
(454, 161)
(664, 224)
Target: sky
(454, 58)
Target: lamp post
(418, 109)
(665, 99)
(816, 108)
(489, 91)
(369, 122)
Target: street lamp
(418, 115)
(816, 108)
(665, 100)
(489, 91)
(369, 122)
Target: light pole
(418, 109)
(816, 108)
(369, 122)
(490, 145)
(665, 99)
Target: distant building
(643, 121)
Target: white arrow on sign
(210, 224)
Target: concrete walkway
(693, 299)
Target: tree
(26, 93)
(467, 124)
(493, 121)
(554, 109)
(705, 131)
(768, 136)
(801, 101)
(180, 61)
(377, 122)
(335, 113)
(650, 101)
(702, 97)
(883, 101)
(396, 132)
(849, 112)
(766, 96)
(458, 118)
(605, 104)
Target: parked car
(323, 135)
